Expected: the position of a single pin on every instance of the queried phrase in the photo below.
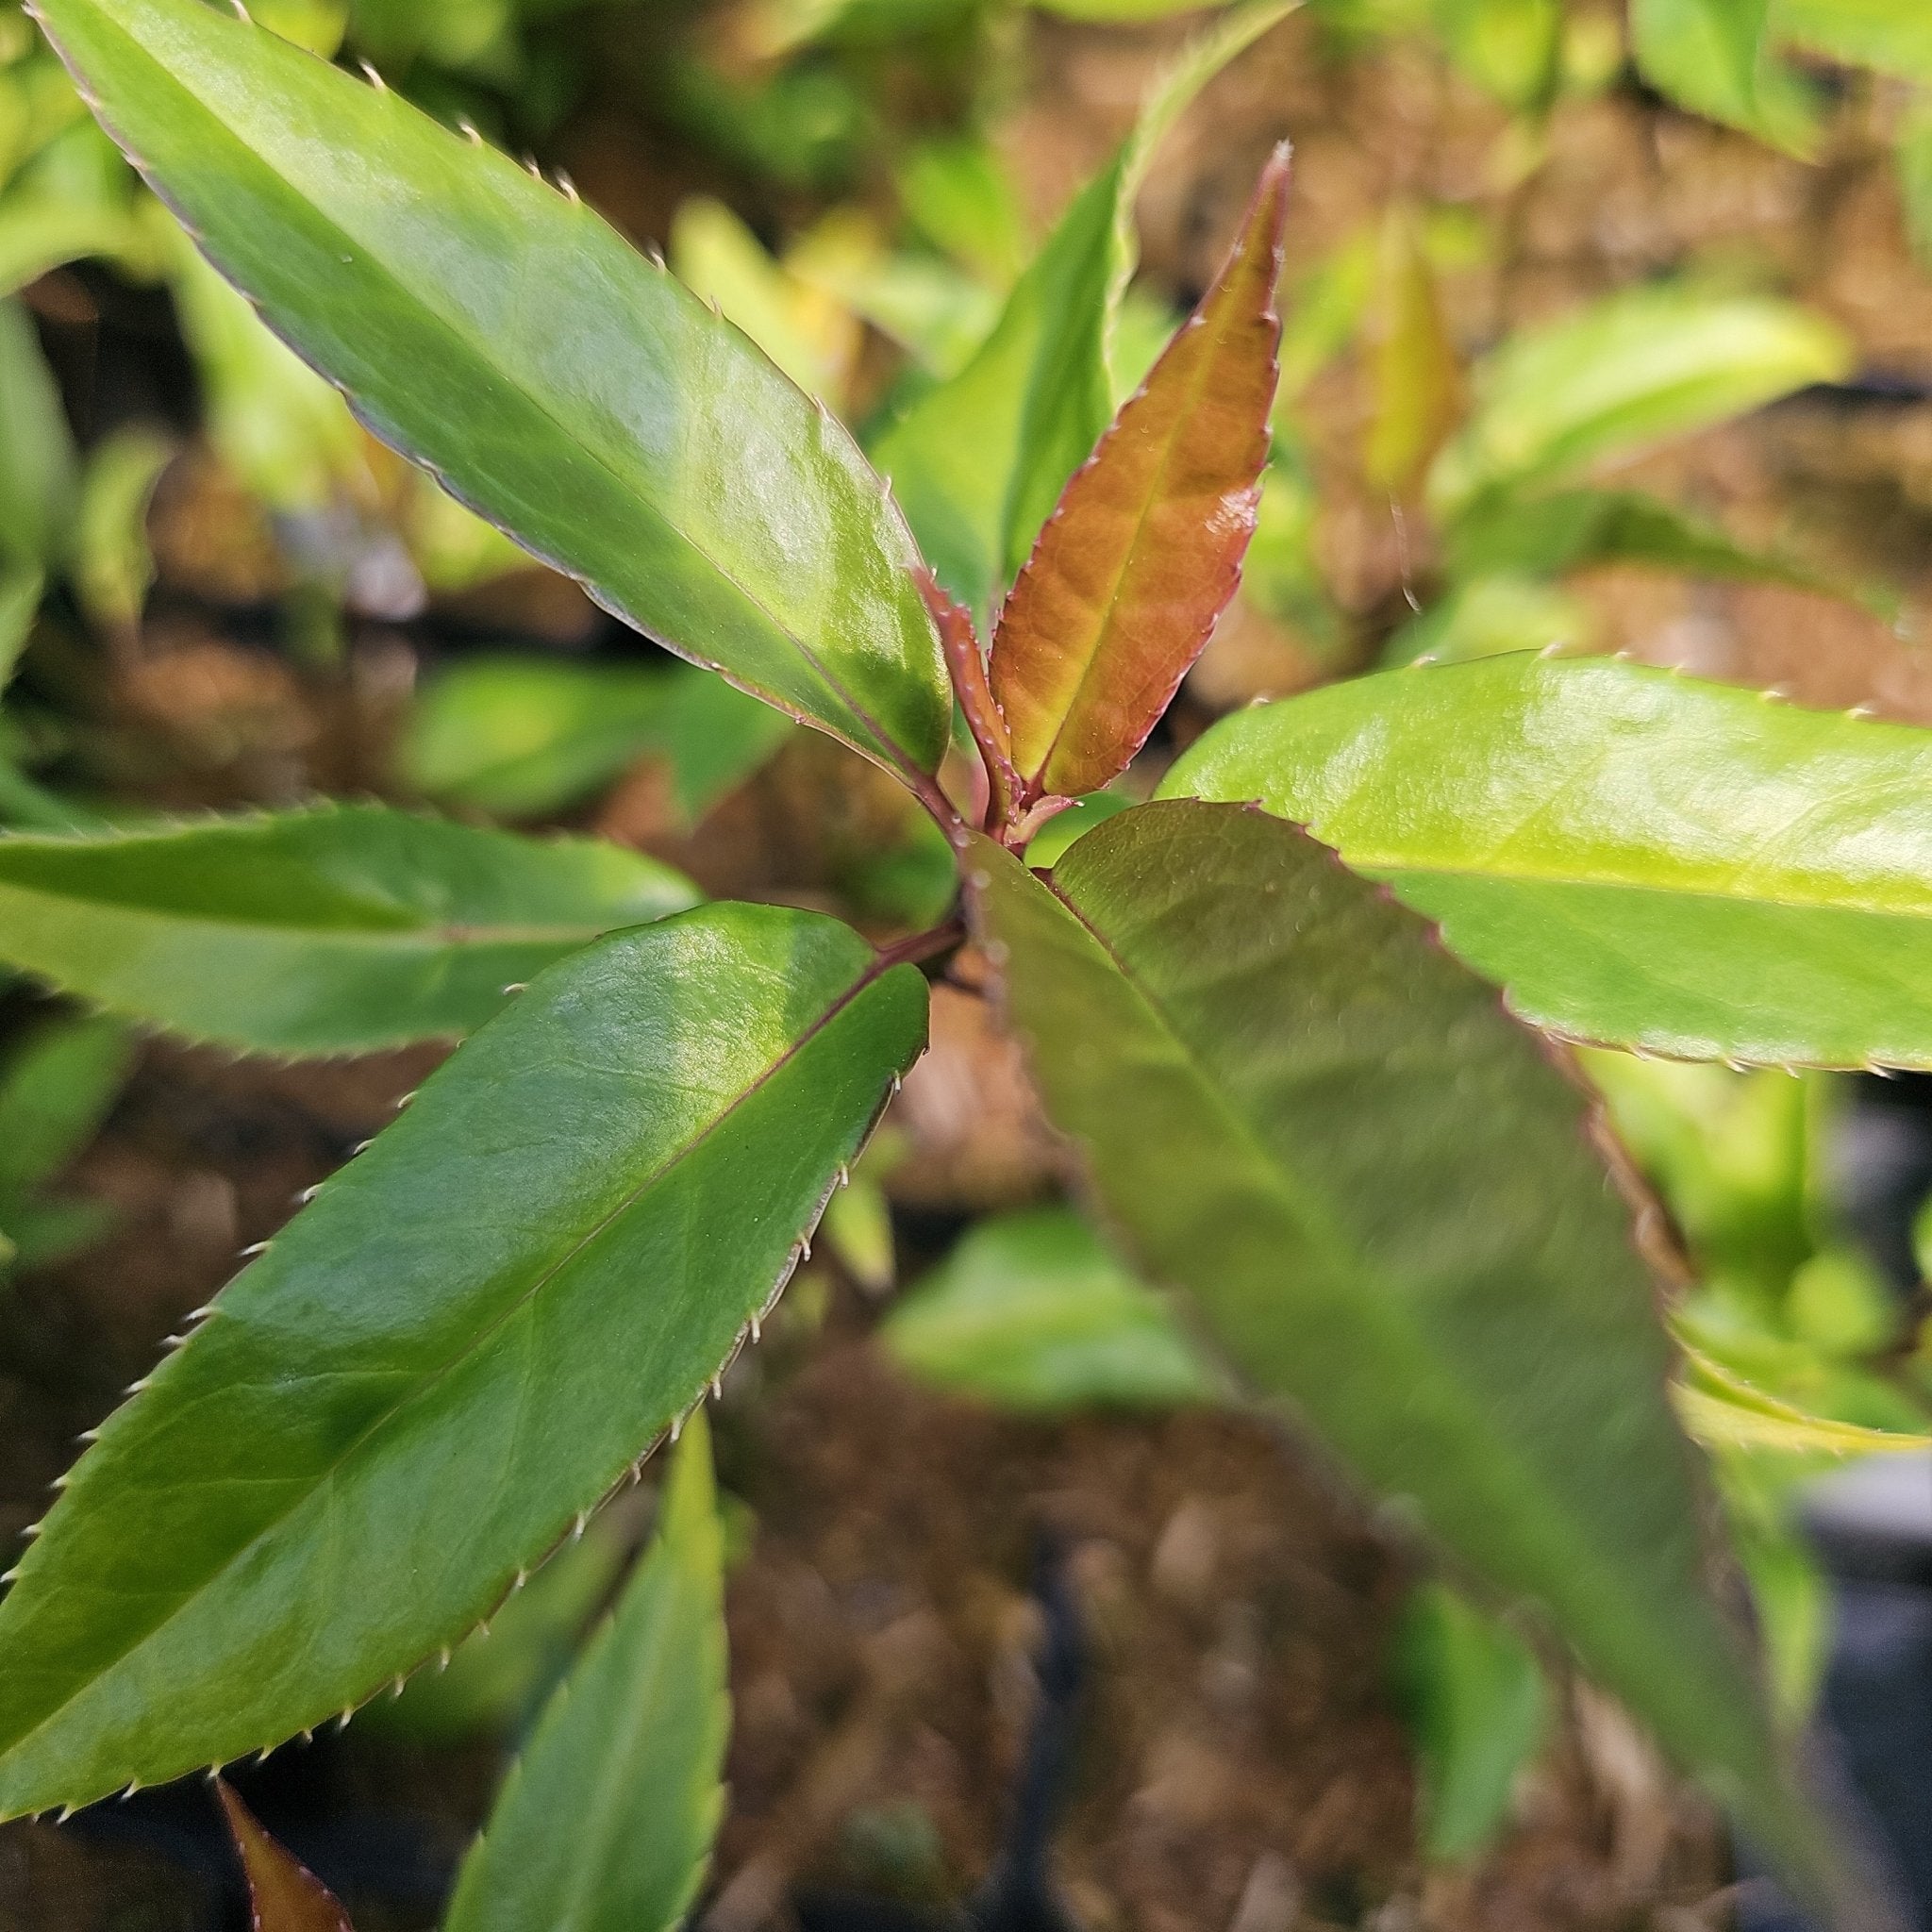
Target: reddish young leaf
(283, 1895)
(1145, 548)
(967, 663)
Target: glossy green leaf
(1715, 58)
(283, 1894)
(498, 1678)
(55, 1092)
(1639, 857)
(470, 1335)
(1032, 1312)
(1631, 370)
(1385, 1200)
(1893, 36)
(980, 460)
(1144, 548)
(523, 737)
(504, 335)
(330, 930)
(1473, 1698)
(605, 1826)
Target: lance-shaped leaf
(283, 1894)
(1638, 857)
(980, 460)
(607, 1823)
(472, 1333)
(1385, 1202)
(332, 931)
(1144, 551)
(508, 338)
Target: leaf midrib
(426, 1386)
(882, 742)
(1343, 1254)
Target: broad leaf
(980, 460)
(1385, 1202)
(1032, 1312)
(505, 336)
(283, 1894)
(1714, 57)
(1639, 858)
(1636, 368)
(522, 737)
(335, 929)
(607, 1823)
(475, 1330)
(1144, 550)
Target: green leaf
(112, 565)
(40, 232)
(37, 459)
(1915, 173)
(1492, 616)
(1714, 58)
(1639, 857)
(1385, 1201)
(1473, 1697)
(1144, 549)
(1576, 529)
(1634, 369)
(1511, 49)
(980, 460)
(55, 1092)
(1031, 1311)
(21, 587)
(283, 1895)
(1417, 376)
(525, 737)
(558, 382)
(498, 1678)
(1893, 36)
(607, 1823)
(470, 1336)
(1722, 1411)
(332, 931)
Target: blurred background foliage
(1552, 264)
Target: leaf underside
(558, 382)
(1144, 549)
(337, 929)
(1638, 857)
(606, 1824)
(1385, 1200)
(467, 1339)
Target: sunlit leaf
(330, 930)
(283, 1894)
(470, 1335)
(1893, 36)
(1715, 58)
(1630, 371)
(504, 335)
(1724, 1411)
(1031, 1311)
(1639, 857)
(605, 1825)
(1383, 1198)
(1144, 550)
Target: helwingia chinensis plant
(1299, 1012)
